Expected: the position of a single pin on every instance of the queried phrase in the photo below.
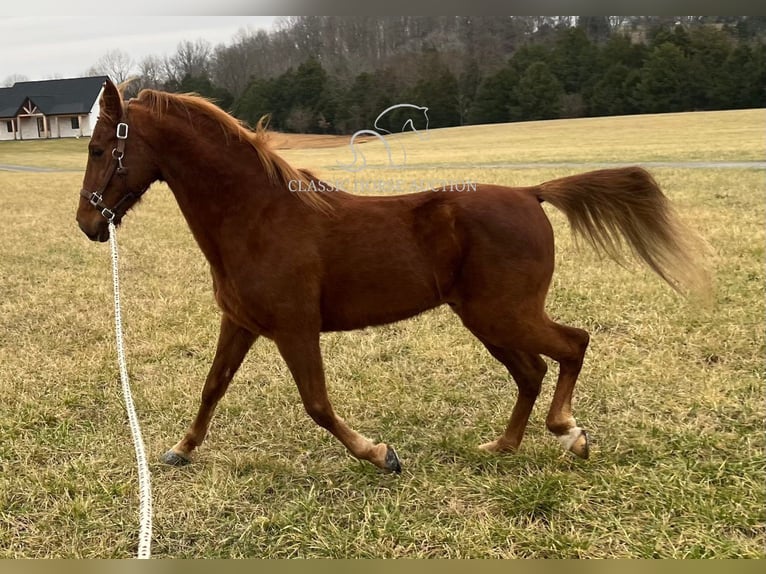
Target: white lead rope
(144, 478)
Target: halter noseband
(96, 198)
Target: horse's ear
(111, 100)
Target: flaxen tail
(611, 207)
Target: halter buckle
(122, 131)
(95, 199)
(108, 214)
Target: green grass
(672, 394)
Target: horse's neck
(213, 187)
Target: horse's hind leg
(233, 344)
(535, 333)
(528, 370)
(567, 346)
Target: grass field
(672, 392)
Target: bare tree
(190, 59)
(151, 73)
(12, 79)
(234, 64)
(116, 64)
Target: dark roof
(52, 97)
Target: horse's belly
(384, 265)
(355, 305)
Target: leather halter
(96, 198)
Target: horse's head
(120, 167)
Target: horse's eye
(95, 152)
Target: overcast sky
(64, 47)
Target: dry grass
(67, 154)
(732, 135)
(672, 393)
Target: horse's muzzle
(100, 234)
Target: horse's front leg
(233, 344)
(303, 357)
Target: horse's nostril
(100, 234)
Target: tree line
(317, 74)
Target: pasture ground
(671, 391)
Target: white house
(50, 108)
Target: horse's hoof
(489, 447)
(392, 461)
(174, 458)
(496, 447)
(580, 446)
(575, 440)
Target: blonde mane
(277, 169)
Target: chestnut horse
(288, 266)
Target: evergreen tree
(596, 28)
(522, 59)
(528, 55)
(273, 97)
(345, 71)
(632, 91)
(664, 80)
(280, 94)
(308, 86)
(539, 93)
(759, 72)
(677, 36)
(438, 90)
(620, 49)
(494, 97)
(745, 73)
(255, 102)
(572, 60)
(202, 85)
(468, 85)
(611, 94)
(749, 27)
(355, 113)
(368, 96)
(709, 50)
